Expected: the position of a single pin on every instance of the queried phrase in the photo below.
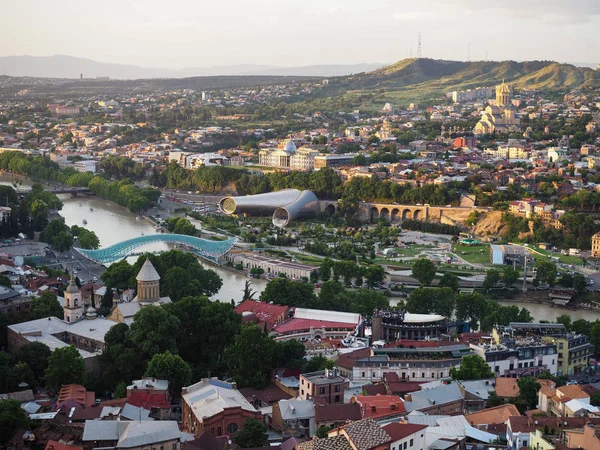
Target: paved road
(72, 260)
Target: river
(113, 224)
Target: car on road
(74, 272)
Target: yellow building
(574, 352)
(501, 117)
(537, 441)
(596, 245)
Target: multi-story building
(596, 245)
(324, 387)
(215, 406)
(516, 358)
(131, 435)
(574, 352)
(11, 302)
(322, 161)
(150, 394)
(391, 326)
(289, 157)
(410, 364)
(87, 165)
(294, 418)
(406, 436)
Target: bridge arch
(394, 215)
(330, 209)
(374, 213)
(384, 213)
(202, 247)
(406, 214)
(418, 214)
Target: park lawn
(473, 254)
(306, 259)
(565, 259)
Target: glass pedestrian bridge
(202, 247)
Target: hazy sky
(187, 33)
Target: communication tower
(419, 47)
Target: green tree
(65, 366)
(35, 355)
(565, 319)
(244, 367)
(252, 435)
(510, 276)
(431, 300)
(119, 275)
(12, 418)
(290, 354)
(46, 305)
(120, 390)
(282, 291)
(423, 271)
(154, 331)
(317, 363)
(374, 275)
(546, 272)
(472, 367)
(595, 399)
(471, 307)
(492, 277)
(248, 293)
(450, 280)
(166, 366)
(88, 239)
(579, 283)
(528, 392)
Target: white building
(289, 157)
(86, 165)
(525, 358)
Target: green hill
(417, 79)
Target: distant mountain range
(61, 66)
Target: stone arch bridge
(396, 213)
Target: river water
(113, 224)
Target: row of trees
(481, 312)
(332, 296)
(61, 237)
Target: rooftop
(322, 377)
(147, 272)
(211, 396)
(497, 414)
(398, 431)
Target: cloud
(409, 16)
(550, 11)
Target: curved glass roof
(202, 247)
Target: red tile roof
(346, 360)
(294, 324)
(376, 406)
(265, 312)
(75, 393)
(399, 431)
(337, 413)
(53, 445)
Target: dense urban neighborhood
(303, 263)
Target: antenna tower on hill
(419, 47)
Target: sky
(204, 33)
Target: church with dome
(288, 156)
(502, 117)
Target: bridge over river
(205, 248)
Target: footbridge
(207, 249)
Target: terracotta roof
(399, 431)
(331, 443)
(527, 425)
(76, 393)
(205, 441)
(337, 413)
(269, 395)
(366, 434)
(374, 389)
(264, 312)
(295, 324)
(507, 387)
(346, 360)
(53, 445)
(497, 414)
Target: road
(72, 260)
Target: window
(560, 346)
(411, 442)
(337, 398)
(393, 407)
(174, 447)
(321, 390)
(373, 409)
(373, 374)
(422, 374)
(363, 375)
(497, 369)
(212, 431)
(219, 431)
(405, 445)
(232, 428)
(337, 388)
